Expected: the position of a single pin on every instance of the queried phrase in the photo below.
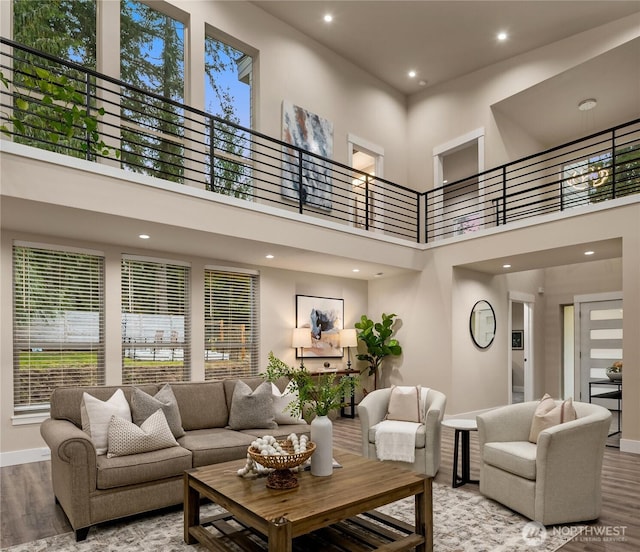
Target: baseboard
(24, 456)
(628, 445)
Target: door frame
(377, 152)
(528, 301)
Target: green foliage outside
(318, 393)
(627, 175)
(379, 342)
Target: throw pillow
(405, 404)
(281, 402)
(252, 409)
(96, 415)
(143, 405)
(127, 438)
(547, 415)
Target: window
(231, 324)
(155, 321)
(152, 59)
(228, 93)
(58, 323)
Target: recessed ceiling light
(502, 36)
(269, 256)
(356, 270)
(144, 236)
(586, 105)
(589, 252)
(412, 74)
(328, 18)
(506, 266)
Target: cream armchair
(554, 481)
(373, 409)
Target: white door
(600, 343)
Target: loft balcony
(141, 134)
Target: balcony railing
(145, 133)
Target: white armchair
(373, 409)
(554, 481)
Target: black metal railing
(145, 133)
(602, 166)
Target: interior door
(600, 343)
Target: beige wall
(444, 112)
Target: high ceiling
(440, 40)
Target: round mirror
(482, 324)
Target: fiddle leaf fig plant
(377, 336)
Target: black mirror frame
(473, 337)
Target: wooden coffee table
(321, 507)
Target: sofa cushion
(252, 409)
(142, 468)
(517, 457)
(144, 405)
(281, 402)
(127, 438)
(214, 445)
(547, 415)
(404, 404)
(421, 436)
(202, 404)
(96, 416)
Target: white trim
(365, 144)
(56, 248)
(29, 419)
(219, 268)
(522, 297)
(630, 445)
(160, 260)
(24, 456)
(594, 297)
(459, 142)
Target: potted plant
(318, 394)
(379, 343)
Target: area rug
(463, 522)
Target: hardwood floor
(28, 511)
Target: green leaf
(22, 104)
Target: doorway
(520, 377)
(366, 206)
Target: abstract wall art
(324, 317)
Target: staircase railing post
(504, 194)
(613, 164)
(366, 201)
(301, 191)
(87, 134)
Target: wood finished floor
(28, 511)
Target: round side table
(462, 427)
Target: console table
(615, 394)
(352, 399)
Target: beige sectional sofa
(93, 488)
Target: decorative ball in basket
(281, 457)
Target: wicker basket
(285, 461)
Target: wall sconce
(301, 339)
(348, 339)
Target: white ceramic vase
(322, 436)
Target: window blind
(231, 324)
(58, 323)
(156, 325)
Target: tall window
(228, 93)
(58, 323)
(155, 321)
(152, 59)
(231, 324)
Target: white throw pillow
(281, 402)
(405, 404)
(96, 415)
(127, 438)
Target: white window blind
(58, 323)
(156, 324)
(231, 324)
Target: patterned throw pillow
(547, 415)
(127, 438)
(96, 416)
(252, 409)
(143, 405)
(404, 404)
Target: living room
(431, 287)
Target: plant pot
(322, 436)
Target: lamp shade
(348, 338)
(301, 338)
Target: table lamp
(348, 339)
(301, 339)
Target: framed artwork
(466, 224)
(324, 316)
(517, 337)
(313, 133)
